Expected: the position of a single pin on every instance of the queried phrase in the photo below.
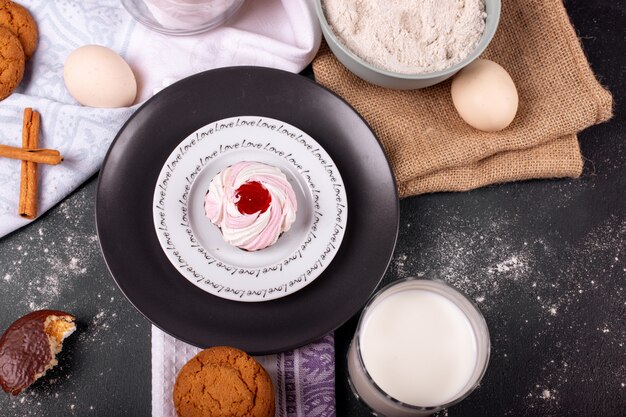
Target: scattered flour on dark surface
(492, 269)
(49, 269)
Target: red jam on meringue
(252, 203)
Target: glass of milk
(420, 346)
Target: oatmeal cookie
(19, 21)
(223, 381)
(11, 62)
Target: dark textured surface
(544, 260)
(104, 367)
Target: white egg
(96, 76)
(485, 96)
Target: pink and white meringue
(252, 203)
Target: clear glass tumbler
(182, 17)
(420, 346)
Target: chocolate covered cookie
(28, 348)
(223, 381)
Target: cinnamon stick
(40, 156)
(28, 185)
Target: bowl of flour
(407, 44)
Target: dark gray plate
(154, 286)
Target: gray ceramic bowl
(390, 79)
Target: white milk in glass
(418, 343)
(419, 348)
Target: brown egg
(485, 96)
(96, 76)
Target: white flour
(408, 36)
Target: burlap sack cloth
(432, 149)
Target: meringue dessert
(252, 203)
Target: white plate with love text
(195, 246)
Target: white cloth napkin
(304, 378)
(281, 34)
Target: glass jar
(182, 17)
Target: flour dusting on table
(47, 265)
(492, 267)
